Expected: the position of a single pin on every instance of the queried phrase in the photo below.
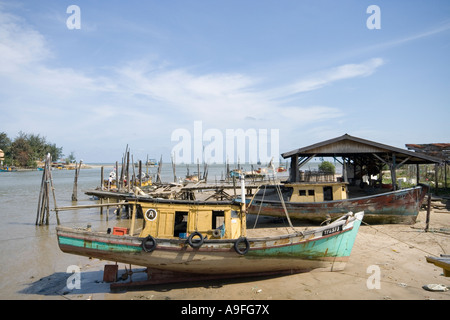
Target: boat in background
(111, 183)
(318, 201)
(151, 163)
(8, 169)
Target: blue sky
(137, 71)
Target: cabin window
(302, 192)
(327, 193)
(271, 193)
(218, 219)
(180, 224)
(311, 193)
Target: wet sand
(397, 251)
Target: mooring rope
(284, 205)
(260, 204)
(401, 241)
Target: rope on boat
(282, 202)
(260, 204)
(284, 205)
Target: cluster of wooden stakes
(47, 187)
(43, 208)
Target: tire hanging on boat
(239, 250)
(194, 243)
(148, 244)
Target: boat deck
(443, 261)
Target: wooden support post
(394, 173)
(436, 180)
(294, 174)
(133, 219)
(107, 209)
(344, 169)
(445, 174)
(427, 222)
(417, 173)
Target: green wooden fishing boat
(194, 237)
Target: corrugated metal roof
(438, 150)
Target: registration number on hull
(327, 232)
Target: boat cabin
(318, 192)
(175, 219)
(304, 192)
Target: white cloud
(142, 100)
(327, 77)
(235, 96)
(19, 44)
(310, 114)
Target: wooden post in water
(75, 182)
(54, 196)
(128, 172)
(117, 176)
(198, 170)
(140, 173)
(102, 177)
(174, 169)
(158, 173)
(102, 187)
(133, 181)
(43, 209)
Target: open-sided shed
(438, 150)
(372, 155)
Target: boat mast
(243, 207)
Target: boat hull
(396, 207)
(327, 248)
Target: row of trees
(26, 149)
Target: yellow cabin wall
(199, 219)
(339, 191)
(165, 223)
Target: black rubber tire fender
(149, 244)
(195, 243)
(240, 250)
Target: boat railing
(316, 176)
